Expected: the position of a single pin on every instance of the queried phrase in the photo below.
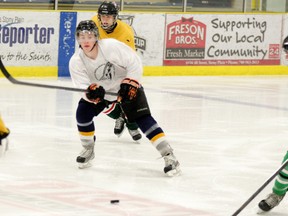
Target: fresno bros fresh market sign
(222, 40)
(185, 39)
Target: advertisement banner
(66, 41)
(222, 39)
(44, 39)
(29, 38)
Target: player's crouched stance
(110, 66)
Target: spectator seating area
(155, 5)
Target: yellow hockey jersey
(123, 32)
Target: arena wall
(40, 43)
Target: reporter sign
(29, 38)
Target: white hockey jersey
(115, 61)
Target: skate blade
(84, 165)
(175, 172)
(2, 150)
(7, 144)
(3, 147)
(120, 134)
(137, 141)
(259, 211)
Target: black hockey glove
(95, 93)
(128, 90)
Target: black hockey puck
(114, 201)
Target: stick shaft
(15, 81)
(284, 164)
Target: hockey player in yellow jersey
(4, 132)
(111, 27)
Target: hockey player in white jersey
(109, 65)
(110, 26)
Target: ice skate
(119, 126)
(135, 134)
(269, 203)
(171, 165)
(85, 157)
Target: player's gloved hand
(95, 93)
(128, 90)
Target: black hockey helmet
(108, 8)
(87, 26)
(285, 45)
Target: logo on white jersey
(105, 72)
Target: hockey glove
(128, 90)
(95, 93)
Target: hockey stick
(14, 81)
(262, 187)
